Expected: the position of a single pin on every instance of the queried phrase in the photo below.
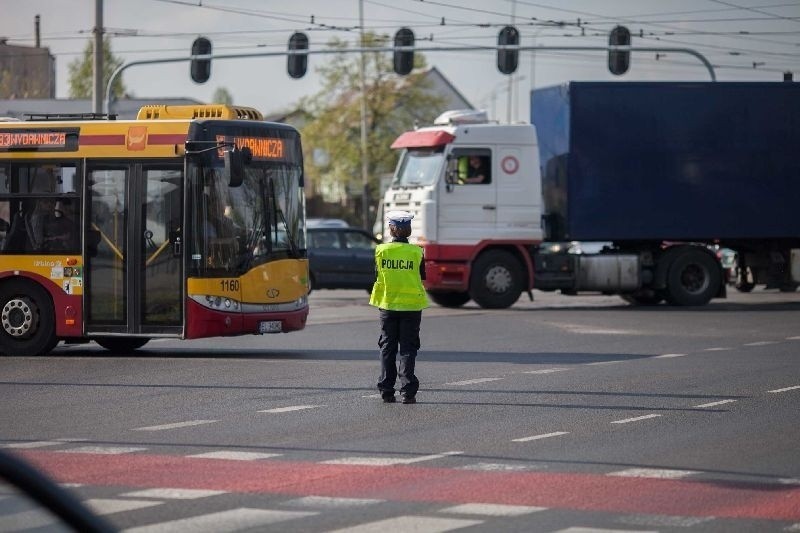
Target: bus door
(134, 266)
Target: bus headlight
(217, 303)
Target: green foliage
(222, 96)
(81, 80)
(394, 105)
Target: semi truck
(654, 174)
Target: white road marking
(223, 521)
(411, 523)
(542, 436)
(325, 502)
(290, 408)
(795, 338)
(714, 404)
(176, 425)
(387, 461)
(794, 387)
(32, 444)
(598, 530)
(597, 363)
(663, 520)
(670, 355)
(173, 494)
(495, 467)
(659, 473)
(471, 381)
(590, 330)
(760, 343)
(793, 527)
(108, 506)
(104, 450)
(489, 509)
(377, 395)
(717, 349)
(545, 371)
(27, 520)
(234, 456)
(789, 481)
(634, 419)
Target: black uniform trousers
(399, 329)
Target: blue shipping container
(675, 161)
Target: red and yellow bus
(187, 222)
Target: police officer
(400, 296)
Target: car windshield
(418, 167)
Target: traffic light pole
(520, 48)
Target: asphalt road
(554, 415)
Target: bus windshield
(237, 228)
(418, 167)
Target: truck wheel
(449, 299)
(693, 279)
(496, 280)
(27, 319)
(121, 344)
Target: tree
(333, 131)
(81, 72)
(222, 96)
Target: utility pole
(97, 91)
(364, 160)
(511, 77)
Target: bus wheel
(121, 344)
(496, 280)
(450, 299)
(694, 278)
(27, 319)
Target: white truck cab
(476, 233)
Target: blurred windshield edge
(60, 502)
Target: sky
(747, 40)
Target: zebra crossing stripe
(411, 523)
(223, 521)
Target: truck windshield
(418, 167)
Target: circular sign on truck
(509, 164)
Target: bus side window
(16, 240)
(5, 181)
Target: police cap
(399, 218)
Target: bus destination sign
(263, 148)
(39, 140)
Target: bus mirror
(235, 161)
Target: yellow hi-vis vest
(398, 287)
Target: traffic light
(403, 61)
(619, 61)
(297, 64)
(507, 60)
(200, 69)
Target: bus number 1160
(229, 285)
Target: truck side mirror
(451, 173)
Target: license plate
(270, 326)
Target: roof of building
(125, 108)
